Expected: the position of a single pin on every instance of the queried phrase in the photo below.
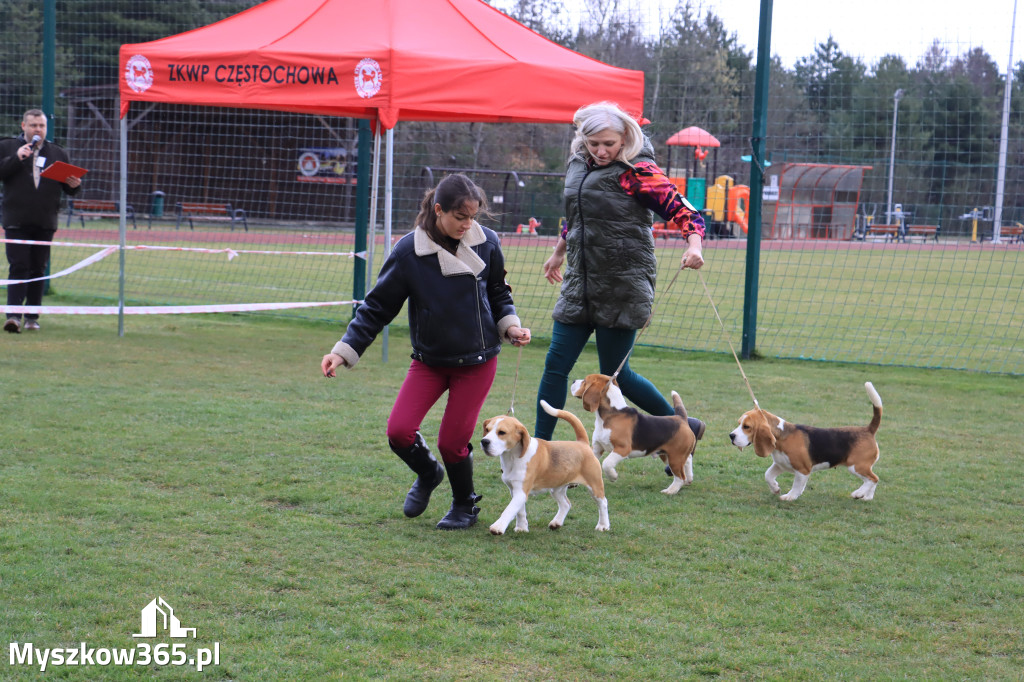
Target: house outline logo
(159, 613)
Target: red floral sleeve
(647, 184)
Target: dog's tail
(876, 400)
(677, 403)
(577, 425)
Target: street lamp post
(892, 154)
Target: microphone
(35, 142)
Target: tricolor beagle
(532, 465)
(625, 432)
(803, 449)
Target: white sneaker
(31, 324)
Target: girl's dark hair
(452, 192)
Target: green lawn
(205, 461)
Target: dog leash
(515, 381)
(729, 341)
(646, 325)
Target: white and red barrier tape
(108, 249)
(163, 309)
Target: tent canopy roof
(425, 60)
(693, 137)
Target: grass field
(205, 461)
(951, 305)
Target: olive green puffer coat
(610, 266)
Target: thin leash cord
(646, 325)
(726, 337)
(515, 381)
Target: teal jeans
(567, 342)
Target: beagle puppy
(624, 432)
(533, 465)
(803, 449)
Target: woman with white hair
(612, 189)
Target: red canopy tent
(423, 60)
(386, 60)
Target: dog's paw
(497, 530)
(522, 529)
(603, 526)
(788, 497)
(554, 525)
(611, 474)
(775, 489)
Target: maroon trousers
(423, 386)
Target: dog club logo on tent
(368, 78)
(158, 615)
(138, 73)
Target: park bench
(890, 232)
(97, 208)
(195, 210)
(1013, 234)
(923, 231)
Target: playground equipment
(699, 139)
(727, 204)
(529, 228)
(976, 214)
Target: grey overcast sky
(872, 28)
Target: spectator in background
(29, 211)
(612, 186)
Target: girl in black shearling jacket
(451, 271)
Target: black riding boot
(464, 510)
(429, 474)
(697, 426)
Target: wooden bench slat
(207, 210)
(97, 208)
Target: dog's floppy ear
(591, 395)
(524, 438)
(764, 439)
(487, 425)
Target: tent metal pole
(389, 178)
(374, 192)
(122, 221)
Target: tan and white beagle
(533, 465)
(625, 432)
(802, 449)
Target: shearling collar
(463, 262)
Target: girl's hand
(331, 362)
(519, 336)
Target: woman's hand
(553, 265)
(693, 258)
(519, 336)
(331, 362)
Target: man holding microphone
(29, 212)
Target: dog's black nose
(732, 436)
(485, 443)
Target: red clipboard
(60, 171)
